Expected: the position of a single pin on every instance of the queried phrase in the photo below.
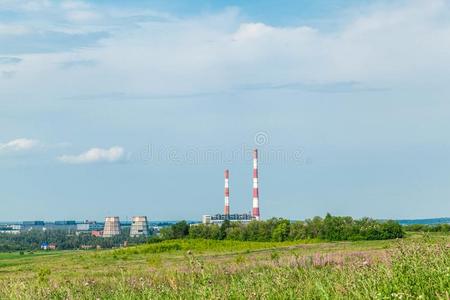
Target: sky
(136, 108)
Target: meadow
(415, 267)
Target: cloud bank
(95, 155)
(386, 45)
(17, 145)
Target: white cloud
(385, 46)
(21, 144)
(94, 155)
(252, 30)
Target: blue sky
(132, 108)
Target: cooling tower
(112, 227)
(139, 226)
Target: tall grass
(204, 245)
(411, 270)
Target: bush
(428, 228)
(330, 228)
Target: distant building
(220, 218)
(83, 228)
(47, 246)
(86, 247)
(112, 227)
(61, 225)
(41, 225)
(156, 229)
(89, 227)
(65, 223)
(33, 225)
(245, 217)
(11, 229)
(97, 233)
(139, 226)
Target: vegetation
(274, 230)
(32, 240)
(416, 267)
(202, 246)
(330, 228)
(428, 228)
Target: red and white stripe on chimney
(227, 194)
(255, 186)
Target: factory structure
(139, 225)
(112, 226)
(236, 217)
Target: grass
(413, 268)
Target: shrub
(330, 228)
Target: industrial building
(90, 227)
(245, 217)
(139, 226)
(10, 229)
(42, 225)
(112, 227)
(33, 225)
(220, 218)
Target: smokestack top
(227, 173)
(255, 153)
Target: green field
(411, 268)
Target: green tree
(281, 231)
(180, 230)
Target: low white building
(220, 218)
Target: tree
(180, 230)
(223, 229)
(297, 231)
(281, 231)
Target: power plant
(245, 217)
(112, 227)
(139, 226)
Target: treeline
(427, 228)
(64, 240)
(329, 228)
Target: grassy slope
(213, 269)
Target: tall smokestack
(255, 185)
(227, 194)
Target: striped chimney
(227, 194)
(255, 186)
